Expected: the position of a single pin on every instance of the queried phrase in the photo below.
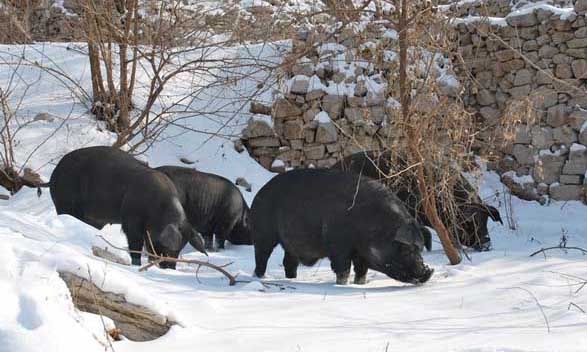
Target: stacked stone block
(538, 55)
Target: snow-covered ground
(501, 300)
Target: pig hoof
(342, 278)
(291, 275)
(360, 280)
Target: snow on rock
(576, 147)
(322, 117)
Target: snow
(494, 302)
(576, 147)
(564, 13)
(278, 163)
(322, 117)
(263, 118)
(494, 21)
(521, 180)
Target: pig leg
(360, 268)
(220, 241)
(208, 241)
(290, 264)
(262, 254)
(341, 265)
(135, 235)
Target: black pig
(103, 185)
(316, 213)
(213, 205)
(470, 222)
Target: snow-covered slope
(501, 300)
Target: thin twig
(543, 250)
(537, 303)
(158, 259)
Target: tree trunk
(426, 193)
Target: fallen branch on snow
(543, 250)
(158, 259)
(136, 322)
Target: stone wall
(538, 56)
(333, 103)
(534, 58)
(39, 20)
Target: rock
(44, 116)
(561, 37)
(314, 152)
(305, 69)
(522, 20)
(333, 148)
(583, 136)
(544, 97)
(505, 55)
(239, 146)
(264, 142)
(564, 135)
(530, 45)
(580, 6)
(293, 129)
(375, 99)
(283, 108)
(485, 97)
(265, 151)
(513, 65)
(326, 133)
(557, 115)
(576, 167)
(547, 51)
(520, 92)
(579, 68)
(356, 102)
(563, 71)
(581, 32)
(297, 144)
(354, 114)
(309, 135)
(523, 154)
(326, 163)
(361, 88)
(566, 192)
(300, 85)
(377, 114)
(310, 114)
(548, 169)
(542, 137)
(577, 119)
(544, 77)
(571, 179)
(523, 77)
(561, 59)
(490, 114)
(315, 94)
(523, 135)
(333, 105)
(241, 181)
(577, 43)
(260, 108)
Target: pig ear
(427, 238)
(171, 238)
(407, 235)
(197, 241)
(494, 214)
